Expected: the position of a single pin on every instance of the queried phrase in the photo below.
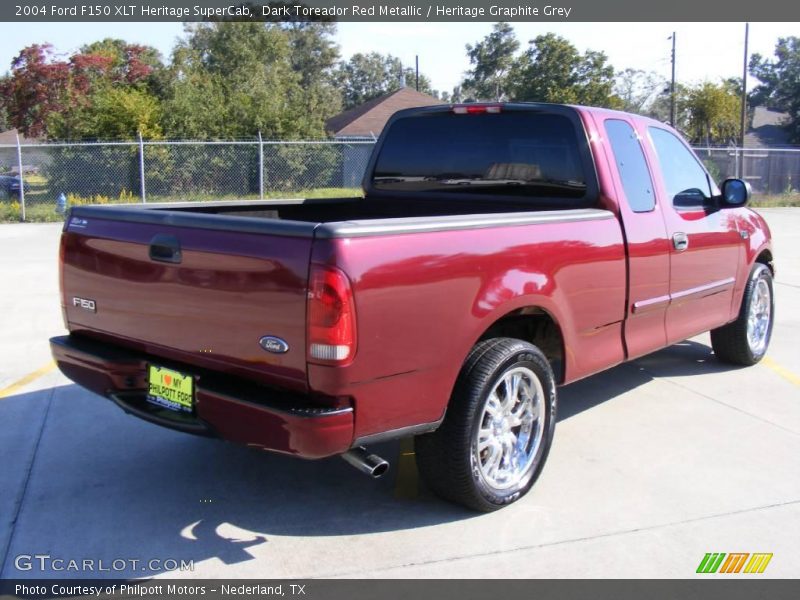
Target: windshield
(517, 153)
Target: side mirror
(735, 192)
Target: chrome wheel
(497, 431)
(758, 319)
(510, 429)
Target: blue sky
(705, 51)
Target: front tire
(745, 341)
(497, 432)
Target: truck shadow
(686, 358)
(106, 486)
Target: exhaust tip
(369, 464)
(380, 469)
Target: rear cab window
(631, 165)
(540, 155)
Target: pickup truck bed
(244, 277)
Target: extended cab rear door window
(685, 180)
(631, 164)
(536, 154)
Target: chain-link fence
(770, 171)
(57, 175)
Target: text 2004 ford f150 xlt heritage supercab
(500, 250)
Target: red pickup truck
(499, 251)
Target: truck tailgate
(202, 295)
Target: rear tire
(745, 340)
(497, 432)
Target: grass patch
(770, 201)
(11, 212)
(35, 179)
(39, 210)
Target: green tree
(233, 80)
(637, 90)
(114, 113)
(367, 76)
(659, 108)
(194, 103)
(46, 95)
(4, 120)
(410, 79)
(780, 82)
(110, 93)
(491, 60)
(713, 113)
(553, 70)
(314, 56)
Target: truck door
(645, 236)
(705, 244)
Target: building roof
(10, 137)
(369, 119)
(767, 129)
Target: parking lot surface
(655, 463)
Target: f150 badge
(273, 344)
(85, 304)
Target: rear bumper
(229, 409)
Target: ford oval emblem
(273, 344)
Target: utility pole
(416, 57)
(672, 85)
(260, 166)
(21, 181)
(744, 86)
(142, 192)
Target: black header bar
(32, 11)
(711, 588)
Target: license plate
(170, 389)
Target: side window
(686, 181)
(631, 164)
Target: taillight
(476, 109)
(331, 316)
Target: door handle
(680, 241)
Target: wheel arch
(755, 254)
(536, 325)
(764, 257)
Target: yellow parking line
(30, 377)
(782, 371)
(405, 485)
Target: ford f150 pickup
(499, 251)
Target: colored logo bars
(716, 562)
